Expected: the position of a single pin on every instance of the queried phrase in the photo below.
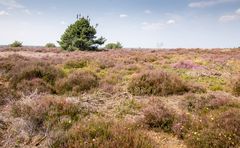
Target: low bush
(114, 46)
(77, 82)
(7, 95)
(187, 65)
(105, 63)
(157, 116)
(44, 71)
(230, 121)
(8, 63)
(222, 132)
(16, 44)
(50, 45)
(39, 85)
(45, 113)
(205, 102)
(182, 125)
(76, 63)
(209, 138)
(102, 135)
(236, 87)
(156, 83)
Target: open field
(119, 98)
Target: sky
(134, 23)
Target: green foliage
(50, 45)
(16, 44)
(80, 36)
(114, 46)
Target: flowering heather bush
(105, 63)
(157, 83)
(43, 71)
(230, 121)
(77, 82)
(29, 86)
(102, 135)
(223, 132)
(158, 116)
(182, 125)
(187, 65)
(7, 95)
(8, 63)
(205, 102)
(209, 138)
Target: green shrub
(80, 36)
(77, 82)
(102, 135)
(156, 83)
(50, 45)
(114, 46)
(16, 44)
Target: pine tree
(81, 36)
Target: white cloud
(27, 11)
(153, 26)
(238, 11)
(228, 18)
(3, 13)
(123, 15)
(39, 13)
(171, 22)
(233, 17)
(208, 3)
(157, 25)
(148, 11)
(11, 4)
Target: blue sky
(135, 23)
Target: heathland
(119, 98)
